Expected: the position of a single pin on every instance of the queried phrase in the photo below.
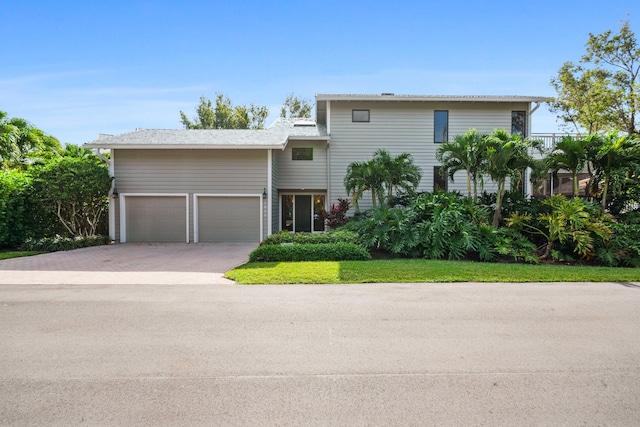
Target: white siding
(303, 174)
(406, 127)
(275, 197)
(190, 171)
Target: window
(440, 182)
(440, 126)
(360, 116)
(519, 123)
(299, 153)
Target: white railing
(550, 139)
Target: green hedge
(309, 252)
(59, 243)
(337, 236)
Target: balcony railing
(550, 139)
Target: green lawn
(18, 254)
(418, 270)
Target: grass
(418, 270)
(18, 254)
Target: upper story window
(440, 126)
(301, 153)
(360, 116)
(519, 123)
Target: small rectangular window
(301, 153)
(440, 126)
(440, 183)
(519, 123)
(360, 116)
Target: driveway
(129, 263)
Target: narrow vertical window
(440, 183)
(440, 126)
(519, 123)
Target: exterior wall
(303, 174)
(190, 171)
(275, 197)
(406, 127)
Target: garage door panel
(228, 219)
(156, 219)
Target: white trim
(112, 200)
(269, 193)
(196, 220)
(140, 146)
(123, 210)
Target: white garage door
(228, 219)
(156, 219)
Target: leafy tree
(75, 190)
(604, 97)
(295, 107)
(465, 152)
(569, 154)
(507, 155)
(20, 141)
(224, 115)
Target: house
(242, 185)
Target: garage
(228, 218)
(157, 218)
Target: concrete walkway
(129, 263)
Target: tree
(604, 97)
(615, 158)
(507, 155)
(400, 173)
(75, 190)
(362, 177)
(466, 152)
(295, 107)
(225, 116)
(20, 141)
(569, 154)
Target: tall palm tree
(465, 152)
(507, 156)
(569, 154)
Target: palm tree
(399, 172)
(19, 141)
(569, 154)
(507, 156)
(466, 152)
(362, 177)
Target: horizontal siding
(298, 174)
(405, 127)
(275, 204)
(191, 171)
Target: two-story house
(242, 185)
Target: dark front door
(303, 213)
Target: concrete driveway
(129, 263)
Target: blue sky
(79, 68)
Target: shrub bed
(59, 243)
(340, 251)
(337, 236)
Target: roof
(431, 98)
(275, 136)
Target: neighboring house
(242, 185)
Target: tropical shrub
(337, 215)
(575, 223)
(60, 243)
(622, 249)
(309, 252)
(333, 236)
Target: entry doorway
(302, 212)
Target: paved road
(384, 354)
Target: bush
(59, 243)
(623, 249)
(337, 215)
(334, 236)
(309, 252)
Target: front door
(302, 212)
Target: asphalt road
(385, 354)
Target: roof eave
(427, 98)
(183, 146)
